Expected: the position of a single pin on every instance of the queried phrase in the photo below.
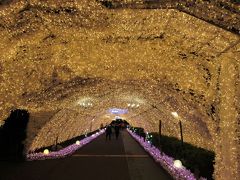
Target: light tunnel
(68, 63)
(141, 108)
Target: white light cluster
(133, 105)
(85, 102)
(175, 114)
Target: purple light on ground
(67, 151)
(165, 161)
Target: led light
(63, 152)
(164, 160)
(177, 164)
(117, 111)
(175, 114)
(46, 151)
(77, 142)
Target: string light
(51, 56)
(174, 168)
(67, 151)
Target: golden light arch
(49, 53)
(153, 105)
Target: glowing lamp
(177, 164)
(175, 114)
(46, 151)
(77, 142)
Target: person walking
(108, 132)
(117, 129)
(143, 135)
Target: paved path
(121, 159)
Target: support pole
(181, 132)
(56, 143)
(90, 127)
(160, 132)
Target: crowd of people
(114, 128)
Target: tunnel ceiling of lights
(76, 64)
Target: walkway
(121, 159)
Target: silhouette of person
(108, 132)
(143, 135)
(117, 129)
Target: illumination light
(164, 160)
(175, 114)
(63, 152)
(77, 142)
(203, 35)
(117, 111)
(133, 105)
(177, 164)
(46, 151)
